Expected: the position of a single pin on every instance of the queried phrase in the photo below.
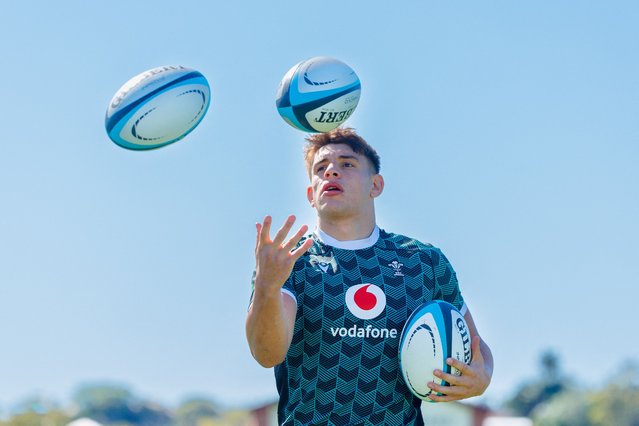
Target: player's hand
(275, 258)
(473, 381)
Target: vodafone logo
(365, 301)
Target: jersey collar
(348, 245)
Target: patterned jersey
(342, 367)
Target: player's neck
(347, 230)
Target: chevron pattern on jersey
(335, 373)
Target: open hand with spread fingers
(275, 258)
(473, 381)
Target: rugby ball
(157, 107)
(433, 333)
(318, 94)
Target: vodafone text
(368, 331)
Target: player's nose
(331, 171)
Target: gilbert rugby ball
(318, 94)
(157, 107)
(433, 333)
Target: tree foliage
(196, 412)
(116, 405)
(91, 396)
(617, 403)
(569, 408)
(33, 418)
(550, 400)
(550, 383)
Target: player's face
(342, 181)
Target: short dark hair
(341, 135)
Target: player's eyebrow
(348, 157)
(341, 157)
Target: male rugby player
(327, 309)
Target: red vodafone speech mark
(364, 299)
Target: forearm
(488, 358)
(271, 317)
(268, 328)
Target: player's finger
(450, 378)
(298, 252)
(258, 227)
(290, 244)
(436, 398)
(266, 229)
(281, 234)
(444, 398)
(461, 366)
(447, 391)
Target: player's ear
(378, 186)
(309, 196)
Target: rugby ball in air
(433, 333)
(157, 107)
(318, 94)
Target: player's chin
(329, 200)
(329, 207)
(333, 211)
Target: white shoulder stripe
(463, 310)
(285, 291)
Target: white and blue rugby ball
(157, 107)
(318, 94)
(433, 333)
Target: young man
(327, 310)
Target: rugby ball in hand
(157, 107)
(318, 94)
(433, 333)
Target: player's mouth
(331, 188)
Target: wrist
(265, 292)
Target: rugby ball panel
(157, 107)
(321, 77)
(318, 94)
(460, 341)
(434, 332)
(422, 353)
(282, 97)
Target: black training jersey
(342, 367)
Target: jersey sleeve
(252, 288)
(447, 287)
(297, 275)
(288, 288)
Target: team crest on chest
(324, 263)
(397, 268)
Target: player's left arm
(474, 378)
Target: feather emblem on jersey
(323, 262)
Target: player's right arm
(271, 316)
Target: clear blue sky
(509, 136)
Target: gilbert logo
(365, 301)
(463, 331)
(334, 117)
